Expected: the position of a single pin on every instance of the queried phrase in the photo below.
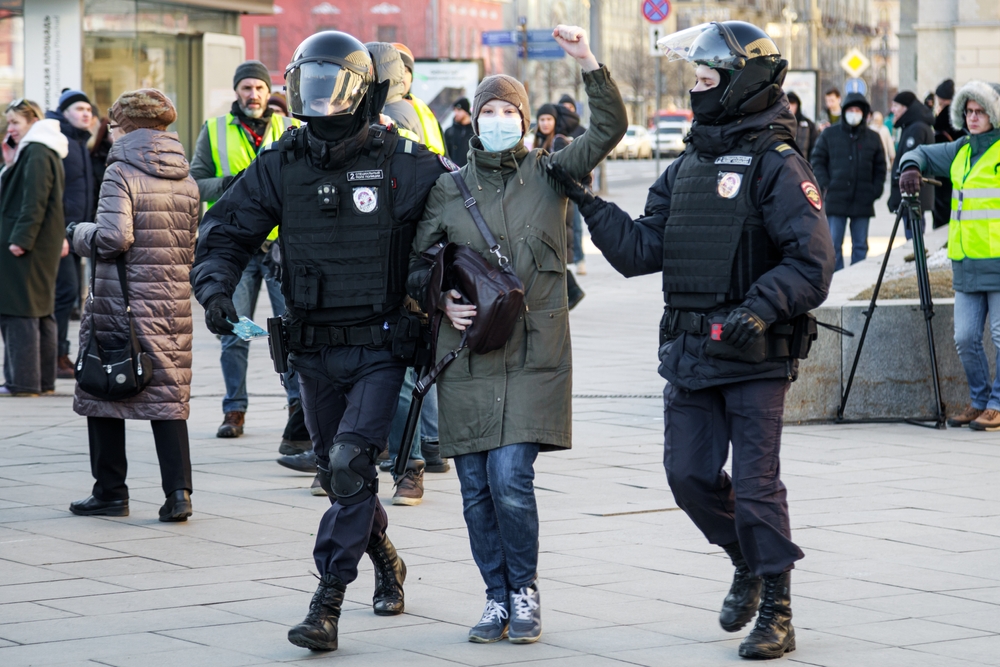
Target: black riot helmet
(332, 74)
(750, 59)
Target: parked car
(635, 144)
(669, 138)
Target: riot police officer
(347, 194)
(736, 226)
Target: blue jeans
(235, 351)
(859, 238)
(971, 309)
(498, 501)
(427, 427)
(577, 233)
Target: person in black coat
(944, 133)
(457, 136)
(849, 164)
(806, 133)
(74, 114)
(913, 120)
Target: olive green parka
(522, 392)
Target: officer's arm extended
(236, 227)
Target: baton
(409, 430)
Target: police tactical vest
(341, 245)
(715, 245)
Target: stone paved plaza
(900, 525)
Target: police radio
(277, 343)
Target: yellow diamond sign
(855, 63)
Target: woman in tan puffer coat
(148, 210)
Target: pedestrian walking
(742, 193)
(912, 121)
(226, 146)
(850, 169)
(33, 232)
(348, 339)
(457, 136)
(806, 133)
(499, 410)
(148, 214)
(973, 237)
(831, 100)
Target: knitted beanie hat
(69, 97)
(946, 91)
(905, 97)
(501, 87)
(252, 69)
(144, 108)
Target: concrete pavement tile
(16, 573)
(981, 650)
(237, 533)
(95, 649)
(822, 615)
(882, 657)
(926, 536)
(988, 595)
(55, 590)
(191, 552)
(256, 638)
(611, 639)
(91, 530)
(120, 571)
(195, 656)
(987, 620)
(32, 513)
(22, 612)
(120, 603)
(347, 656)
(847, 589)
(501, 653)
(39, 550)
(923, 605)
(709, 654)
(905, 632)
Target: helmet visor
(706, 44)
(317, 89)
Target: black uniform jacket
(797, 227)
(240, 221)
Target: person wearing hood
(944, 133)
(147, 197)
(806, 133)
(850, 169)
(737, 229)
(973, 237)
(459, 134)
(912, 121)
(498, 410)
(33, 235)
(390, 68)
(429, 126)
(74, 115)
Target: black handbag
(113, 374)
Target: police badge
(365, 199)
(729, 184)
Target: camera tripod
(911, 213)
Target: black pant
(29, 352)
(750, 508)
(67, 293)
(109, 465)
(348, 390)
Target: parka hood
(390, 67)
(915, 113)
(47, 133)
(986, 94)
(154, 152)
(855, 100)
(719, 139)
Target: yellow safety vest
(975, 205)
(428, 122)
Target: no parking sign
(656, 11)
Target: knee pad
(352, 475)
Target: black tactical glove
(575, 191)
(70, 228)
(220, 315)
(910, 181)
(742, 328)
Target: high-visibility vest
(975, 205)
(428, 122)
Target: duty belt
(304, 334)
(700, 325)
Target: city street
(900, 526)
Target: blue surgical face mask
(498, 133)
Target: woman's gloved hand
(742, 328)
(910, 181)
(220, 315)
(575, 191)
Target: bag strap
(477, 217)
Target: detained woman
(498, 410)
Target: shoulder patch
(447, 164)
(783, 149)
(811, 192)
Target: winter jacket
(78, 197)
(390, 67)
(806, 135)
(31, 216)
(521, 393)
(795, 224)
(968, 275)
(148, 210)
(850, 166)
(915, 130)
(456, 142)
(99, 150)
(210, 186)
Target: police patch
(447, 164)
(365, 199)
(729, 184)
(743, 160)
(910, 141)
(812, 194)
(369, 175)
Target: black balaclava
(337, 128)
(707, 104)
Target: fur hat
(986, 94)
(501, 87)
(145, 108)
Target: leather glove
(70, 229)
(575, 191)
(909, 181)
(220, 315)
(742, 328)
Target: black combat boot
(318, 631)
(773, 636)
(744, 595)
(390, 573)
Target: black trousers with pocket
(109, 465)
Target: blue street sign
(544, 35)
(656, 11)
(501, 37)
(856, 86)
(543, 51)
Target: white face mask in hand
(853, 118)
(499, 134)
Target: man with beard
(736, 226)
(226, 146)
